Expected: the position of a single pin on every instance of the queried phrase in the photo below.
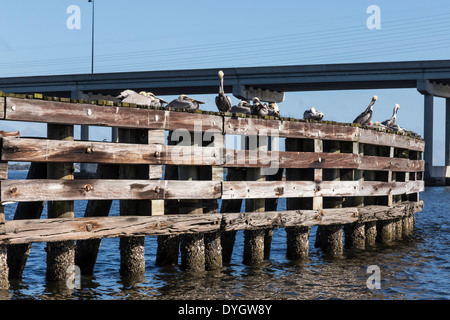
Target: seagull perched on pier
(143, 98)
(273, 109)
(365, 117)
(184, 102)
(223, 102)
(312, 114)
(258, 108)
(390, 122)
(243, 107)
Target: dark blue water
(414, 268)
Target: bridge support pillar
(428, 134)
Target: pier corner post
(61, 254)
(4, 271)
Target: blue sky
(160, 35)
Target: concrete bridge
(430, 78)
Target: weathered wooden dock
(172, 170)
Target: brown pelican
(143, 98)
(242, 107)
(365, 117)
(390, 122)
(184, 102)
(313, 114)
(223, 102)
(258, 108)
(273, 109)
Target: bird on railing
(273, 109)
(223, 102)
(312, 114)
(390, 122)
(143, 98)
(184, 102)
(258, 108)
(243, 107)
(365, 117)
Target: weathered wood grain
(40, 150)
(3, 170)
(388, 139)
(48, 230)
(2, 107)
(88, 114)
(294, 189)
(53, 190)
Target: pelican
(258, 108)
(390, 122)
(242, 107)
(223, 102)
(184, 102)
(273, 109)
(143, 98)
(366, 116)
(313, 114)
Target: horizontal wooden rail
(323, 131)
(103, 189)
(97, 189)
(300, 189)
(43, 150)
(35, 110)
(48, 230)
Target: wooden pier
(177, 178)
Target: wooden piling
(385, 231)
(329, 237)
(60, 255)
(18, 253)
(168, 245)
(228, 238)
(86, 251)
(254, 239)
(297, 238)
(192, 246)
(370, 229)
(213, 247)
(132, 260)
(4, 272)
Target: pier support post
(407, 225)
(168, 246)
(61, 254)
(132, 260)
(385, 231)
(355, 236)
(370, 233)
(329, 237)
(297, 238)
(4, 282)
(18, 253)
(229, 206)
(192, 246)
(86, 251)
(213, 247)
(254, 239)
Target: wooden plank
(59, 190)
(88, 114)
(388, 139)
(3, 170)
(40, 150)
(48, 230)
(2, 107)
(299, 189)
(291, 129)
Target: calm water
(414, 268)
